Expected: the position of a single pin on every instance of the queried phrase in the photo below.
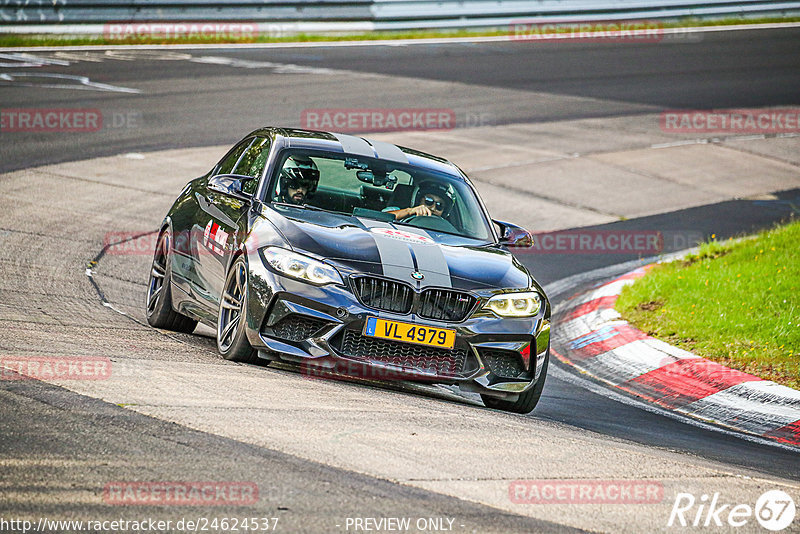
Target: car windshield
(378, 189)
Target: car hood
(357, 244)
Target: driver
(298, 180)
(433, 199)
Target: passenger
(432, 200)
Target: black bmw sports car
(354, 256)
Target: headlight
(515, 304)
(301, 267)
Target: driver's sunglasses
(430, 202)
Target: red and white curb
(595, 340)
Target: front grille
(388, 295)
(445, 305)
(296, 327)
(384, 294)
(505, 363)
(405, 355)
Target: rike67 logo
(774, 510)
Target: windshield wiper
(300, 206)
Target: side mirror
(514, 236)
(230, 185)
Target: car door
(225, 216)
(203, 222)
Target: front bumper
(321, 328)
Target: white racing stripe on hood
(430, 261)
(388, 151)
(355, 145)
(397, 256)
(396, 259)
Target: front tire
(231, 322)
(159, 292)
(527, 401)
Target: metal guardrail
(427, 9)
(21, 12)
(410, 14)
(86, 16)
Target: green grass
(737, 303)
(68, 40)
(20, 40)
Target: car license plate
(410, 333)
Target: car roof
(340, 142)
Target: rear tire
(527, 401)
(159, 292)
(232, 340)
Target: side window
(229, 162)
(252, 163)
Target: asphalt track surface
(188, 103)
(202, 104)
